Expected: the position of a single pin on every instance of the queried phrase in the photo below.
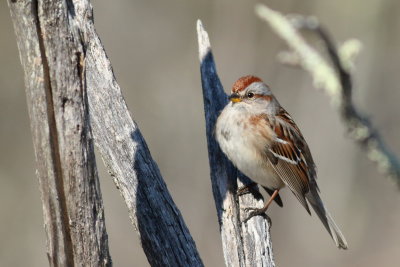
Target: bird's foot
(255, 212)
(246, 189)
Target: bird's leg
(256, 211)
(246, 189)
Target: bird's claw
(246, 189)
(253, 212)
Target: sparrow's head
(251, 91)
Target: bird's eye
(250, 95)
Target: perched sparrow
(264, 143)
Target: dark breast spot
(226, 135)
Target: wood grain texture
(63, 60)
(52, 57)
(244, 243)
(163, 233)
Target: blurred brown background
(153, 49)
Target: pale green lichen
(361, 132)
(323, 74)
(379, 157)
(348, 51)
(325, 77)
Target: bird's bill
(235, 98)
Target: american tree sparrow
(264, 143)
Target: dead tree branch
(244, 243)
(57, 103)
(70, 88)
(159, 223)
(336, 82)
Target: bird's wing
(290, 156)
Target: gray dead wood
(52, 57)
(244, 244)
(163, 233)
(63, 60)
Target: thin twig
(336, 82)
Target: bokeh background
(153, 48)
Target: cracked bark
(71, 88)
(57, 104)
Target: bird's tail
(323, 214)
